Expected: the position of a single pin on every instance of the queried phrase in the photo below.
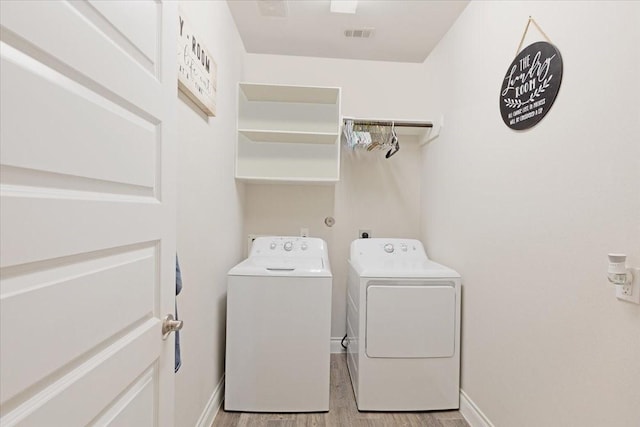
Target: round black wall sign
(530, 86)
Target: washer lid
(410, 268)
(284, 267)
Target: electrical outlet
(631, 291)
(364, 234)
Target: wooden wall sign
(530, 85)
(197, 71)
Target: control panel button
(272, 245)
(388, 248)
(403, 247)
(288, 246)
(304, 246)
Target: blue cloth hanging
(178, 361)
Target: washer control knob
(403, 247)
(288, 246)
(304, 246)
(272, 245)
(388, 248)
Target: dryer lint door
(410, 321)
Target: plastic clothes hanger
(395, 144)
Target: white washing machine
(403, 327)
(279, 327)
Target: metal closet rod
(389, 123)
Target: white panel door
(87, 261)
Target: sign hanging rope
(527, 29)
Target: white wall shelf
(256, 135)
(288, 134)
(286, 93)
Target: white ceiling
(405, 31)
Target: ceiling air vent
(359, 33)
(273, 8)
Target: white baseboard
(336, 346)
(213, 406)
(472, 413)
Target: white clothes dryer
(279, 327)
(403, 327)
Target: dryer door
(412, 321)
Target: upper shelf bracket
(434, 133)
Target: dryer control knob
(388, 248)
(288, 246)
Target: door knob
(169, 324)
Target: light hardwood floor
(342, 411)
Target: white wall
(210, 211)
(529, 217)
(373, 193)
